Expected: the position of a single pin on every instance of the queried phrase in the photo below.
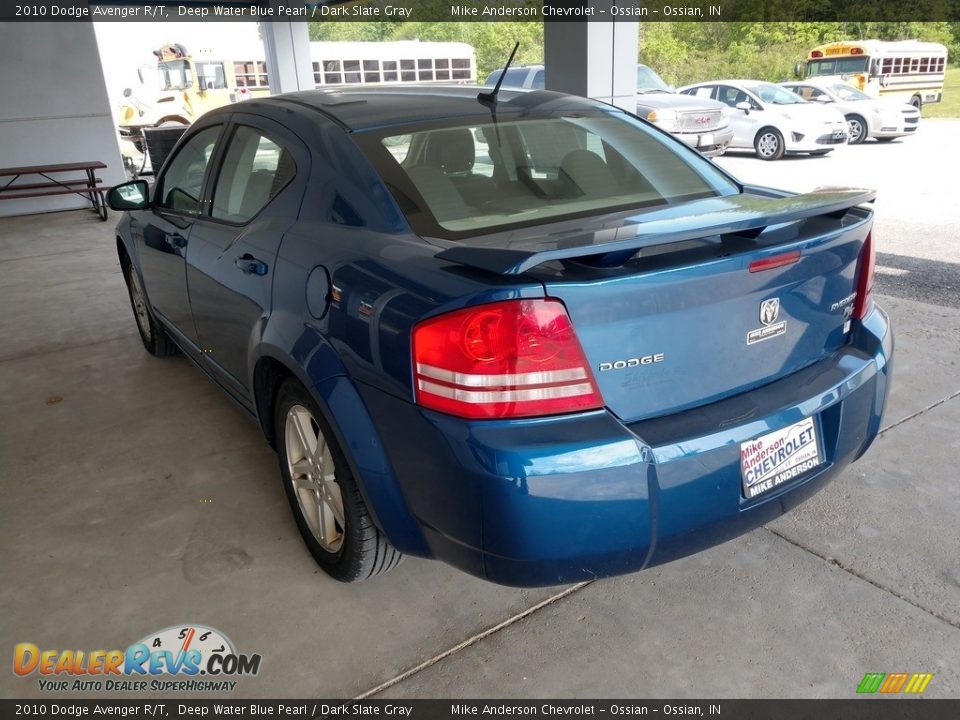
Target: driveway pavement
(134, 497)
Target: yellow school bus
(907, 69)
(187, 87)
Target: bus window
(351, 71)
(408, 71)
(175, 75)
(390, 71)
(371, 71)
(424, 69)
(461, 69)
(442, 69)
(213, 75)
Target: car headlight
(667, 119)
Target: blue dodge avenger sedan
(523, 333)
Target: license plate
(706, 139)
(775, 458)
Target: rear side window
(255, 168)
(179, 187)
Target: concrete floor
(134, 496)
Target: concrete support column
(287, 50)
(593, 59)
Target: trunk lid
(666, 307)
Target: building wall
(54, 107)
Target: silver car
(884, 119)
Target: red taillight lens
(774, 261)
(861, 305)
(518, 358)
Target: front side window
(180, 185)
(478, 177)
(255, 168)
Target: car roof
(365, 108)
(741, 83)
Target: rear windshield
(464, 180)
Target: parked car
(882, 118)
(774, 121)
(592, 354)
(700, 123)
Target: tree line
(681, 52)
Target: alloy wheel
(768, 144)
(313, 474)
(139, 304)
(856, 130)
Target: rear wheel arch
(123, 255)
(268, 375)
(345, 412)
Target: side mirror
(884, 80)
(798, 70)
(745, 106)
(134, 195)
(203, 84)
(127, 92)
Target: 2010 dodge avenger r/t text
(527, 334)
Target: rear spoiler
(742, 216)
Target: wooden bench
(88, 187)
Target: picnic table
(88, 186)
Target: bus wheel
(769, 144)
(916, 102)
(857, 129)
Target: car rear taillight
(518, 358)
(865, 265)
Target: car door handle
(250, 265)
(176, 240)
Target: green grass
(949, 106)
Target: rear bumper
(559, 500)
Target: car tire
(154, 337)
(856, 129)
(768, 144)
(329, 509)
(917, 102)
